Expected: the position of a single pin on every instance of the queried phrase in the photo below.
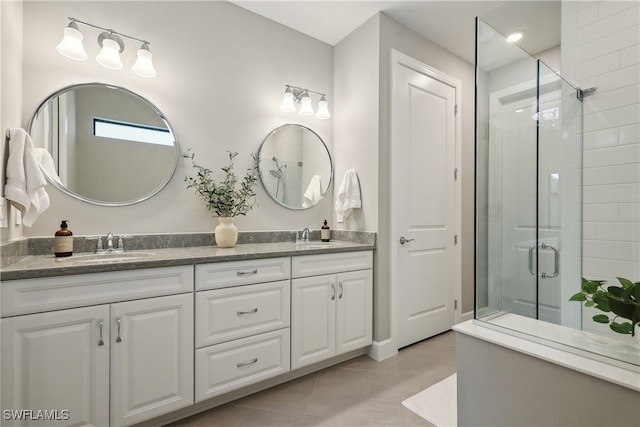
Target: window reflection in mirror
(104, 168)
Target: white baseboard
(466, 316)
(381, 350)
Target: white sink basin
(108, 257)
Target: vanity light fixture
(111, 44)
(301, 96)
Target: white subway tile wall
(602, 48)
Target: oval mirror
(295, 166)
(104, 144)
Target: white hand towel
(47, 165)
(348, 195)
(25, 181)
(313, 193)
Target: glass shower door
(528, 185)
(556, 258)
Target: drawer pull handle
(247, 273)
(341, 290)
(118, 322)
(242, 313)
(100, 325)
(250, 362)
(333, 292)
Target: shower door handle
(556, 261)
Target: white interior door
(423, 151)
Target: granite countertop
(35, 266)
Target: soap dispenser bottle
(63, 241)
(325, 233)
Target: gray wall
(362, 70)
(221, 75)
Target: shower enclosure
(529, 200)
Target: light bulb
(323, 109)
(287, 102)
(109, 56)
(305, 106)
(71, 44)
(144, 66)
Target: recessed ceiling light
(514, 37)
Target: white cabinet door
(354, 314)
(313, 319)
(57, 362)
(152, 358)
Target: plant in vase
(225, 199)
(622, 301)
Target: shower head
(275, 174)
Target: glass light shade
(305, 106)
(287, 103)
(323, 110)
(109, 56)
(144, 66)
(71, 44)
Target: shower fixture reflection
(280, 174)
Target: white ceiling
(450, 24)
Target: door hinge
(455, 304)
(455, 239)
(455, 174)
(455, 109)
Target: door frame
(400, 59)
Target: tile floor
(358, 392)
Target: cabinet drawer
(55, 293)
(231, 313)
(316, 265)
(234, 273)
(224, 367)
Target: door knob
(403, 240)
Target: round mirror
(295, 166)
(104, 144)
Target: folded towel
(348, 195)
(25, 181)
(314, 192)
(47, 165)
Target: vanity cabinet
(242, 324)
(56, 361)
(107, 364)
(331, 305)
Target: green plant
(224, 198)
(623, 301)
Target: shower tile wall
(601, 48)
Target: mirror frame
(129, 92)
(330, 166)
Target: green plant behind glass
(622, 301)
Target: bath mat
(437, 404)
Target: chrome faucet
(304, 238)
(110, 247)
